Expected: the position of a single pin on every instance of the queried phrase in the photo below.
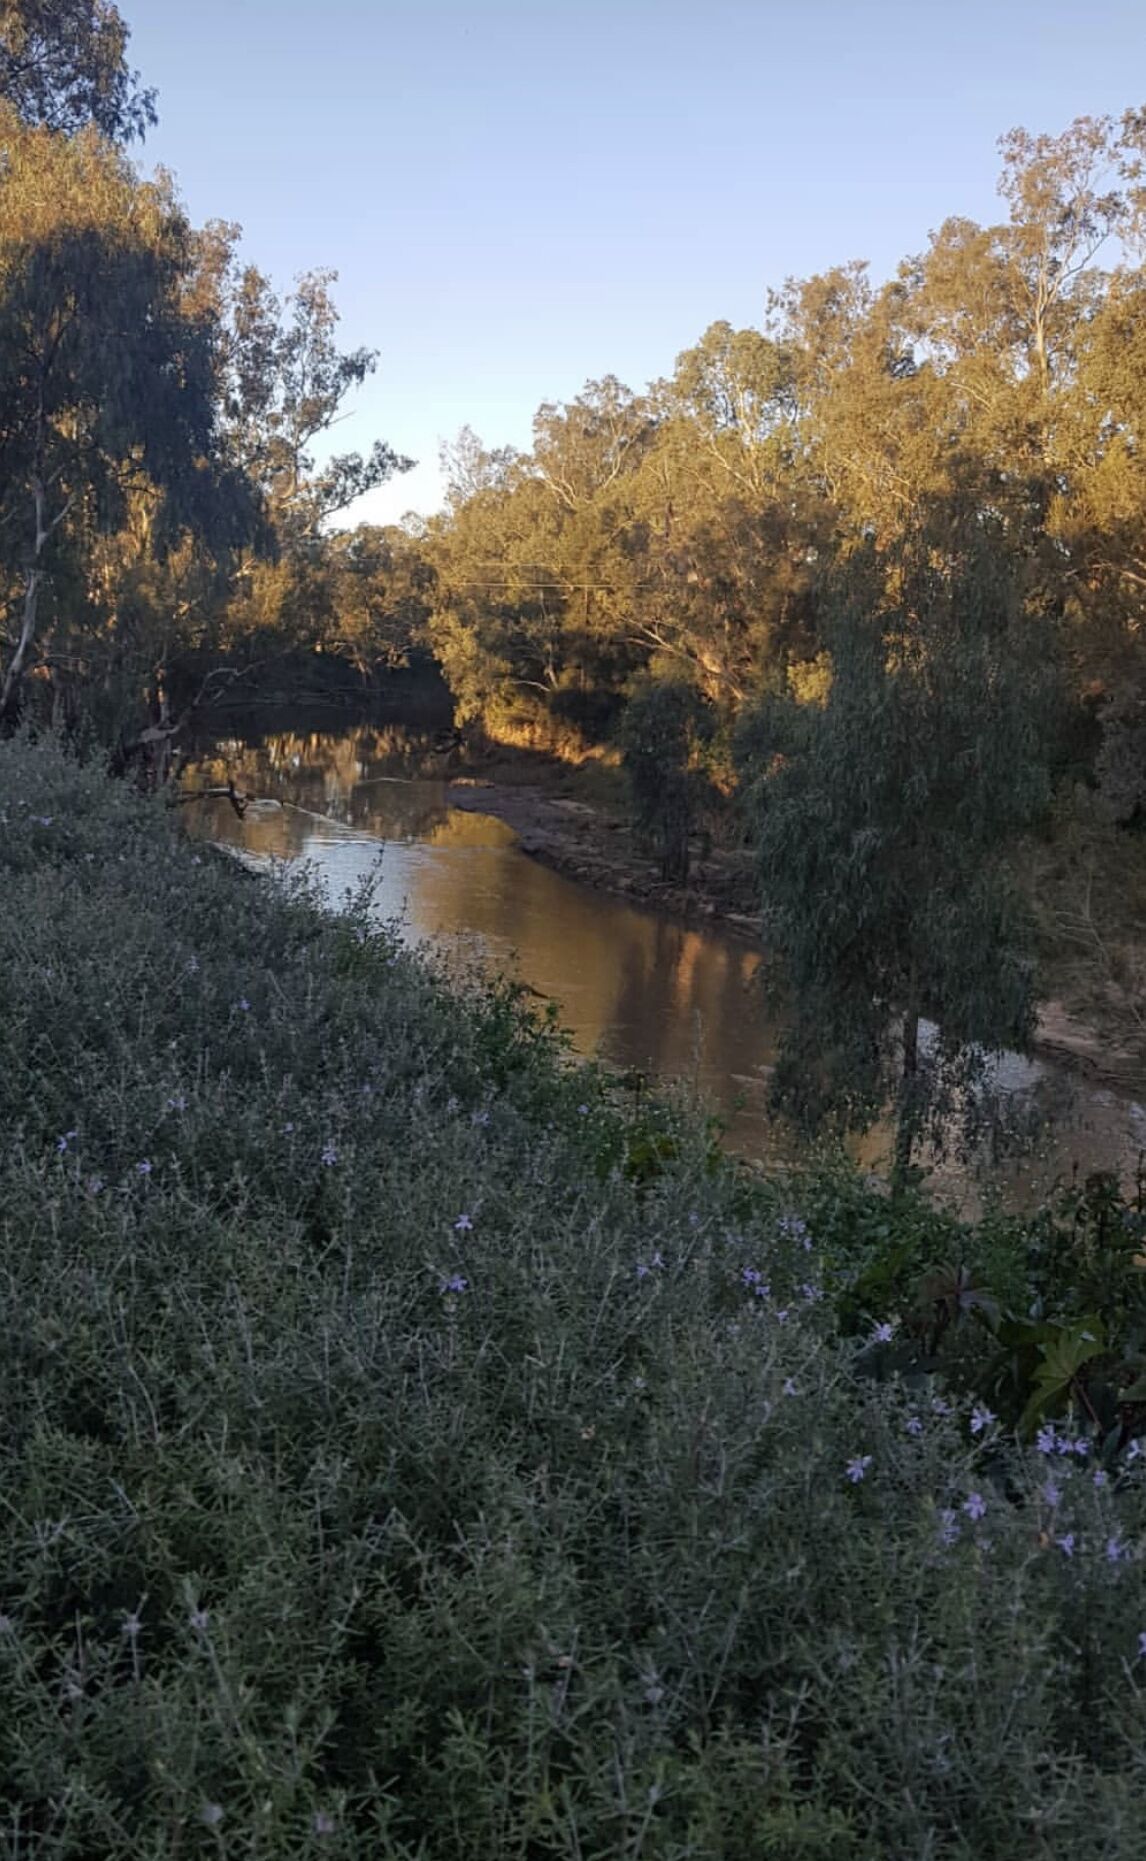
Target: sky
(523, 195)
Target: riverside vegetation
(413, 1449)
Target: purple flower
(939, 1406)
(782, 1315)
(144, 1168)
(212, 1814)
(658, 1258)
(582, 1111)
(476, 1117)
(883, 1334)
(1046, 1440)
(192, 965)
(323, 1824)
(463, 1224)
(94, 1184)
(288, 1127)
(329, 1154)
(453, 1282)
(1101, 1478)
(243, 1005)
(177, 1102)
(1066, 1544)
(795, 1228)
(790, 1387)
(63, 1142)
(811, 1293)
(857, 1468)
(641, 1270)
(981, 1417)
(949, 1527)
(974, 1505)
(1142, 1645)
(914, 1425)
(1052, 1494)
(198, 1620)
(131, 1627)
(1115, 1550)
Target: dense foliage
(407, 1451)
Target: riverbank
(415, 1448)
(1087, 1021)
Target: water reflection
(641, 991)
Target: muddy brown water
(639, 991)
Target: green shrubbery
(406, 1452)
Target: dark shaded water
(636, 989)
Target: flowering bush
(391, 1467)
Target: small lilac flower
(94, 1184)
(1066, 1544)
(949, 1527)
(1082, 1447)
(177, 1102)
(7, 1626)
(857, 1468)
(144, 1168)
(1046, 1440)
(288, 1127)
(463, 1224)
(198, 1620)
(192, 965)
(974, 1505)
(790, 1387)
(63, 1142)
(981, 1417)
(1101, 1478)
(1115, 1550)
(1134, 1449)
(642, 1271)
(811, 1293)
(752, 1276)
(131, 1627)
(795, 1228)
(323, 1824)
(1142, 1645)
(329, 1154)
(476, 1117)
(914, 1425)
(243, 1005)
(939, 1406)
(212, 1814)
(658, 1258)
(1052, 1494)
(453, 1282)
(883, 1334)
(782, 1315)
(582, 1111)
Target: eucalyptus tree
(884, 813)
(108, 389)
(63, 66)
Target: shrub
(405, 1453)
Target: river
(640, 991)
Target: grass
(409, 1453)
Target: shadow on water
(640, 991)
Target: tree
(883, 816)
(665, 724)
(108, 388)
(63, 67)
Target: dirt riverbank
(593, 843)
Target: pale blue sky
(523, 194)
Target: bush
(406, 1453)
